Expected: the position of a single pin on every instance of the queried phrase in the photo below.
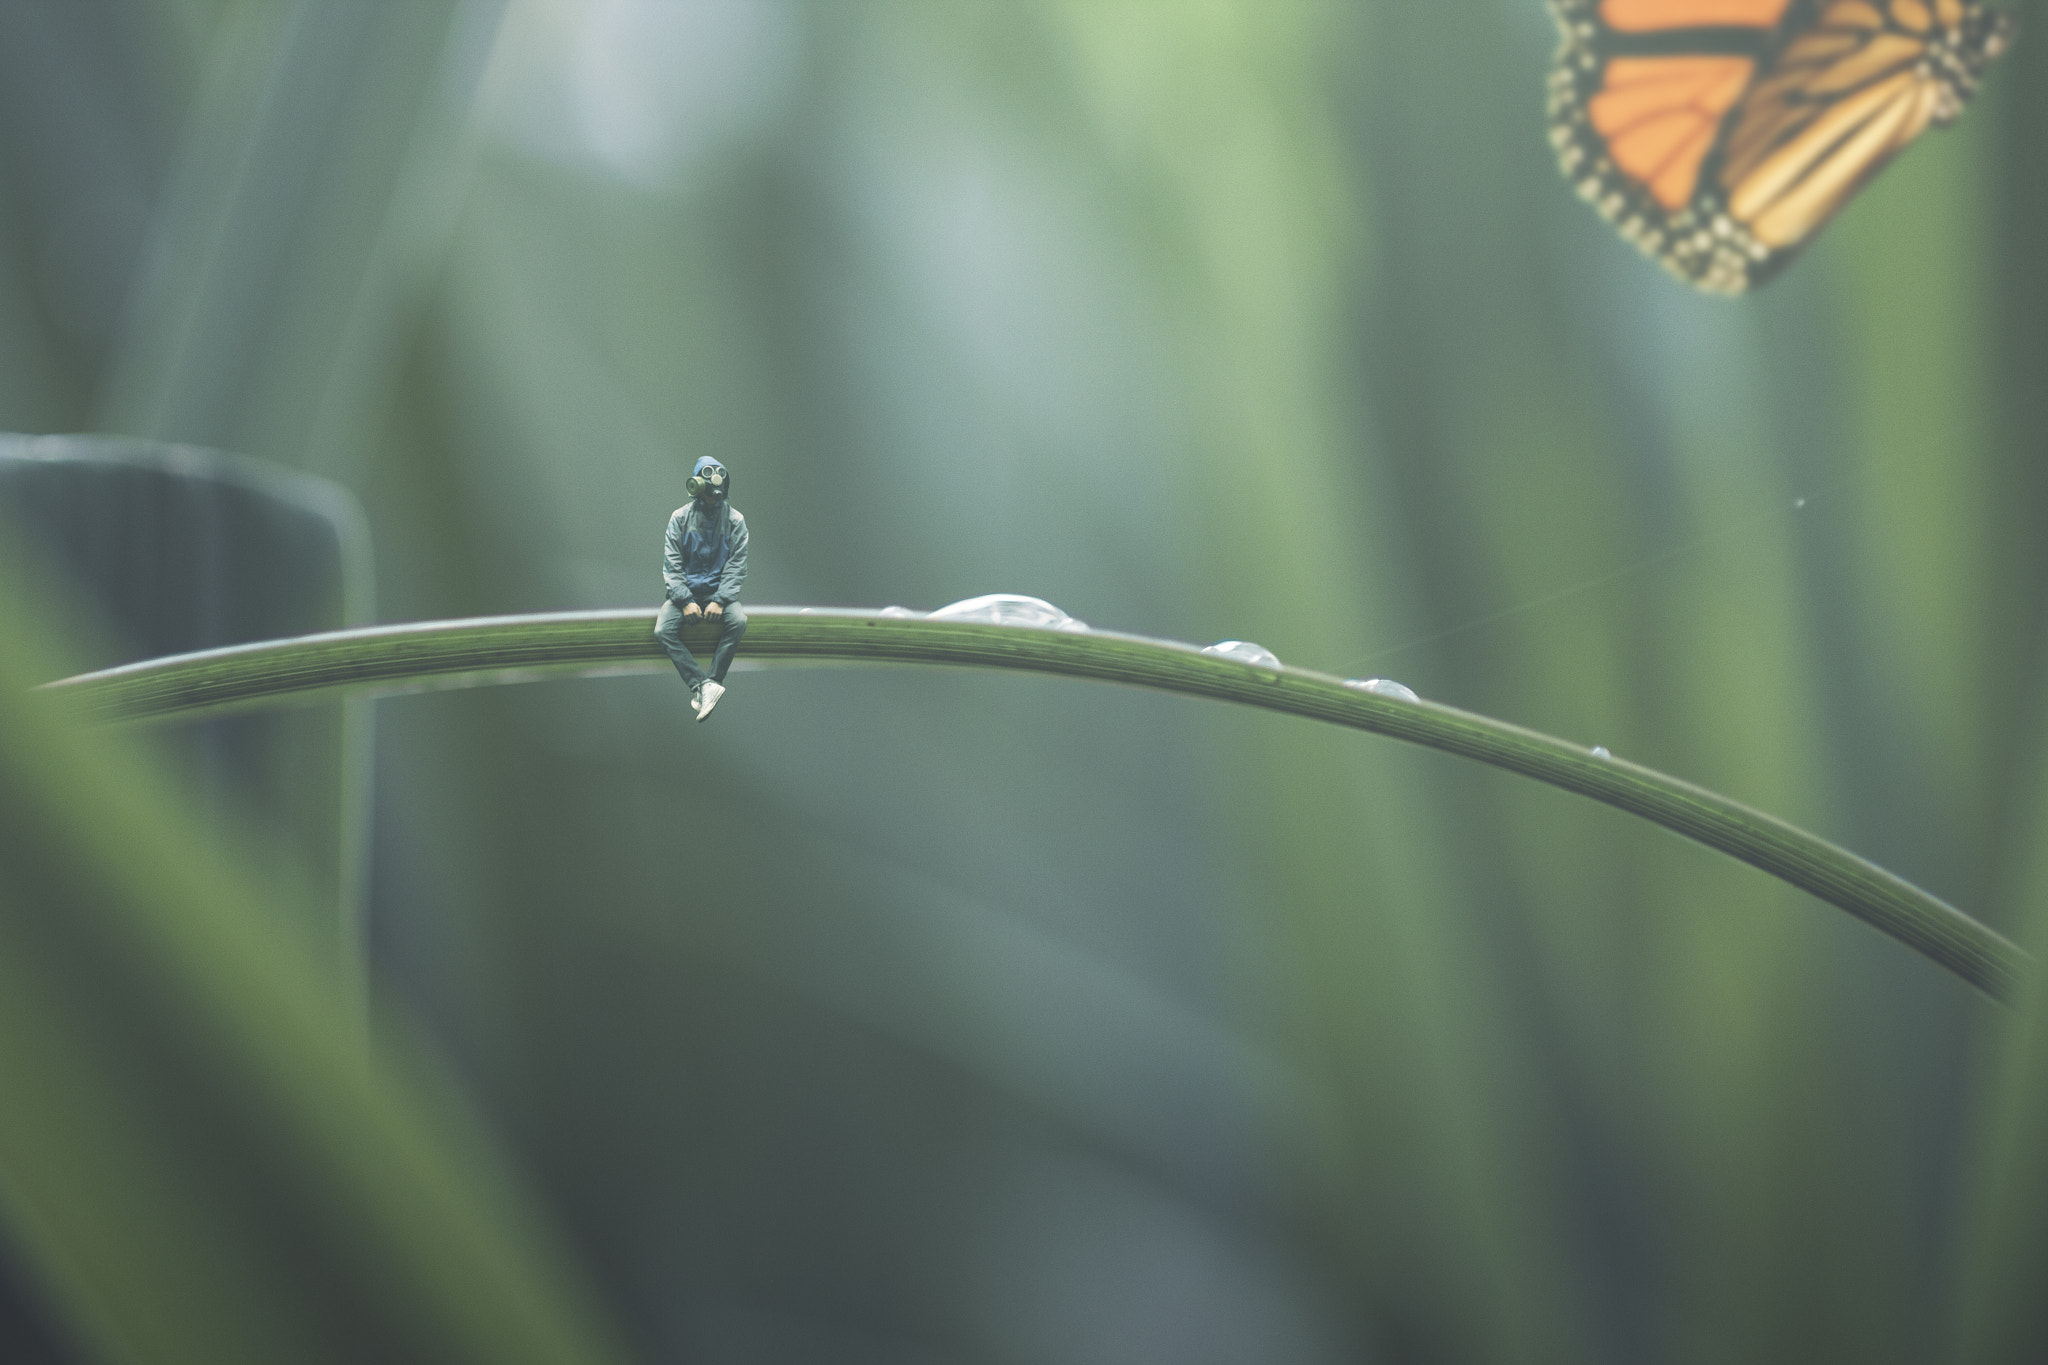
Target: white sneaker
(707, 697)
(696, 700)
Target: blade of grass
(203, 1158)
(515, 648)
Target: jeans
(668, 628)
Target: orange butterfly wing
(1662, 16)
(1659, 117)
(1720, 135)
(1842, 99)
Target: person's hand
(691, 609)
(713, 610)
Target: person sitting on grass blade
(704, 565)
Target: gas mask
(711, 484)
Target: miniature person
(704, 566)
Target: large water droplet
(1244, 651)
(896, 613)
(1384, 687)
(1600, 751)
(1009, 609)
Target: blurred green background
(915, 1016)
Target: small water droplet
(1600, 751)
(1798, 503)
(896, 613)
(1244, 651)
(1009, 609)
(1385, 687)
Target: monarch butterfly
(1720, 135)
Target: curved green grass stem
(515, 648)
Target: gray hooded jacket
(734, 574)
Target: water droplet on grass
(1244, 651)
(1009, 609)
(1600, 751)
(1384, 687)
(896, 613)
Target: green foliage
(987, 1016)
(203, 1156)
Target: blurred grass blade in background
(318, 172)
(2004, 1313)
(200, 1159)
(152, 548)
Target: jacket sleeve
(735, 575)
(672, 561)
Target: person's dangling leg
(668, 628)
(728, 641)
